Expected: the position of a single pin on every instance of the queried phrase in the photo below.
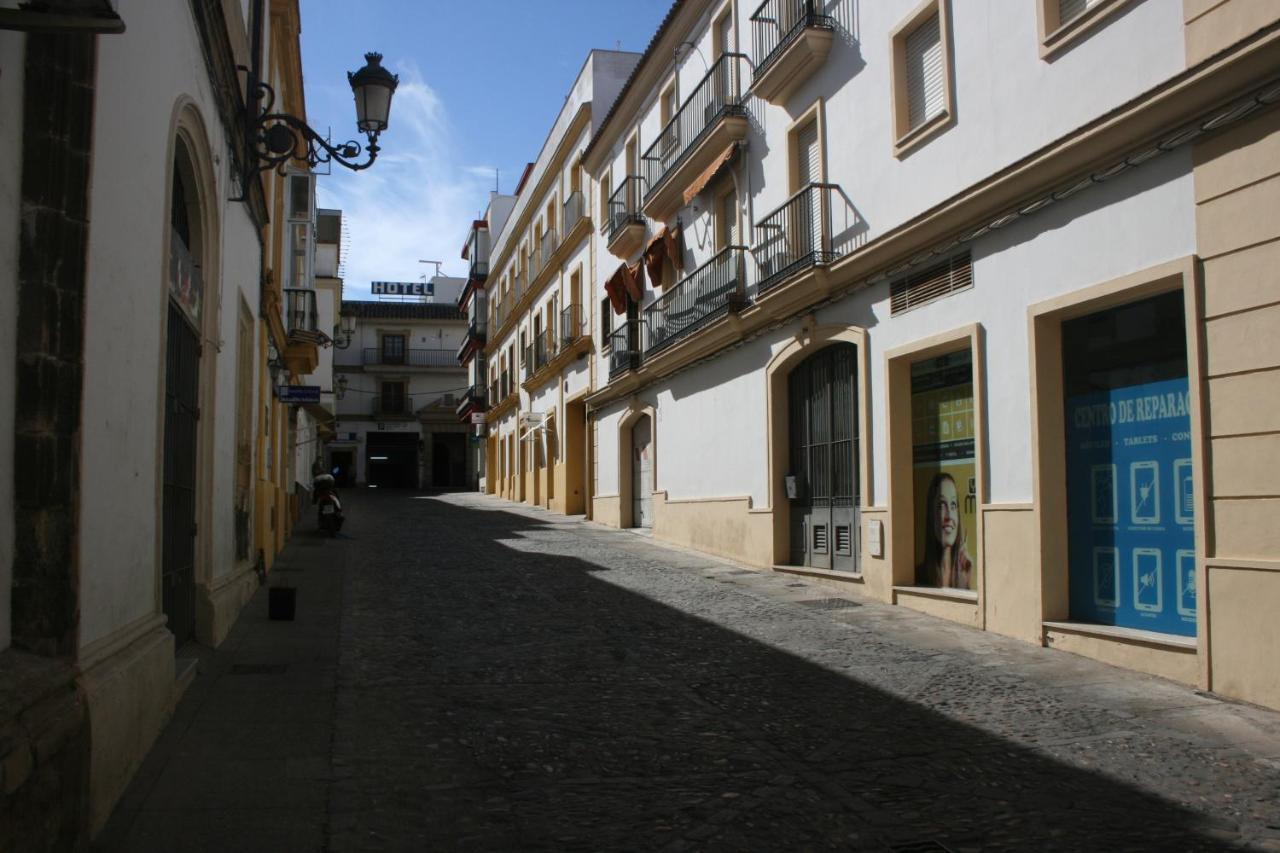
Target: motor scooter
(325, 496)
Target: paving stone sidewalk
(470, 675)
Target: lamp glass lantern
(373, 87)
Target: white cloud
(415, 202)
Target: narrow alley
(463, 674)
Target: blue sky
(480, 85)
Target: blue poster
(1131, 508)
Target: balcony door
(823, 484)
(393, 349)
(808, 232)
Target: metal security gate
(182, 382)
(823, 485)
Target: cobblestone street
(469, 675)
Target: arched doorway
(182, 392)
(823, 483)
(642, 472)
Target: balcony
(544, 349)
(475, 339)
(300, 311)
(392, 406)
(798, 235)
(710, 291)
(424, 358)
(624, 348)
(574, 212)
(302, 352)
(572, 326)
(547, 248)
(790, 42)
(473, 400)
(625, 228)
(710, 120)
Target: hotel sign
(403, 288)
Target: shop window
(944, 471)
(1130, 489)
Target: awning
(634, 280)
(617, 290)
(708, 174)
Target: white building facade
(905, 296)
(398, 383)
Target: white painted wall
(12, 57)
(142, 77)
(240, 277)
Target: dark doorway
(182, 381)
(392, 462)
(342, 465)
(448, 461)
(823, 485)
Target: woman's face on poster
(947, 514)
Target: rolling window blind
(1069, 10)
(930, 284)
(810, 160)
(926, 96)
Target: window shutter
(809, 154)
(926, 95)
(1069, 10)
(934, 283)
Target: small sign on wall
(875, 537)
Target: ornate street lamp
(274, 139)
(345, 331)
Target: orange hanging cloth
(617, 290)
(654, 254)
(674, 240)
(634, 280)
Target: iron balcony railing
(574, 210)
(411, 358)
(477, 328)
(715, 96)
(393, 404)
(697, 299)
(778, 23)
(624, 206)
(504, 386)
(571, 325)
(544, 349)
(474, 396)
(535, 263)
(300, 310)
(796, 235)
(624, 348)
(548, 245)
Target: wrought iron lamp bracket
(279, 138)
